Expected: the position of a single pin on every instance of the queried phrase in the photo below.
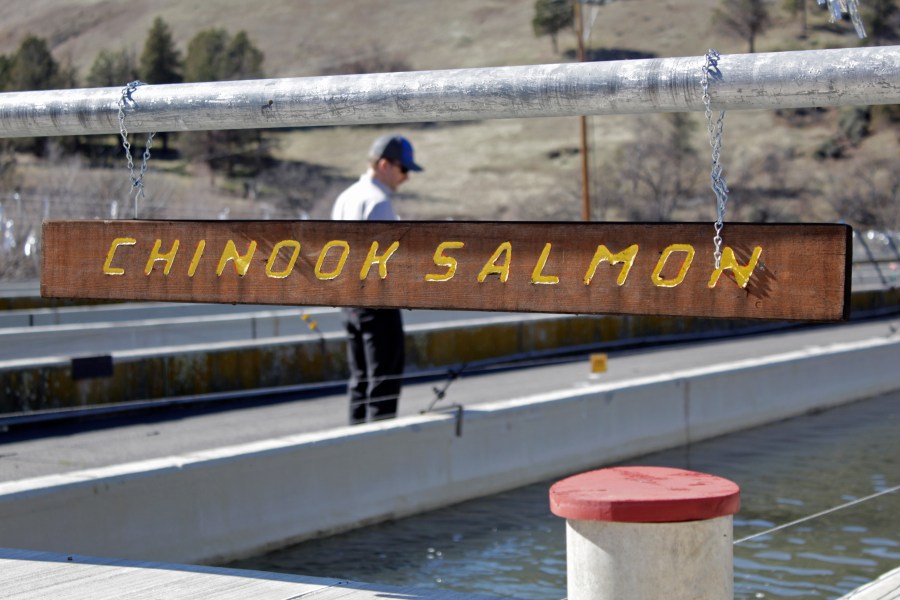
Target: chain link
(717, 177)
(137, 182)
(838, 8)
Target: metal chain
(717, 178)
(837, 8)
(137, 183)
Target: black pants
(375, 355)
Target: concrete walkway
(192, 487)
(55, 450)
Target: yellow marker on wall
(598, 363)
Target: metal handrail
(840, 77)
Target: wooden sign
(766, 271)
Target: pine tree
(33, 67)
(551, 16)
(5, 66)
(244, 60)
(160, 60)
(207, 56)
(214, 55)
(113, 68)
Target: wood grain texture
(801, 272)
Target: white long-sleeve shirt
(366, 200)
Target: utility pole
(585, 178)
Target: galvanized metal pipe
(854, 76)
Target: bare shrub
(300, 189)
(659, 171)
(562, 204)
(865, 196)
(373, 60)
(762, 191)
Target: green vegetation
(112, 68)
(214, 55)
(550, 17)
(32, 67)
(160, 60)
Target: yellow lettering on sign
(156, 255)
(537, 275)
(742, 273)
(241, 261)
(492, 267)
(340, 266)
(441, 260)
(381, 261)
(201, 245)
(657, 279)
(108, 269)
(626, 256)
(290, 266)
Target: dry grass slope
(507, 169)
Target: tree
(160, 59)
(867, 197)
(744, 18)
(552, 16)
(5, 66)
(882, 18)
(32, 67)
(206, 56)
(243, 59)
(798, 7)
(214, 55)
(7, 165)
(113, 68)
(660, 169)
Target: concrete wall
(224, 367)
(229, 502)
(291, 360)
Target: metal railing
(876, 259)
(852, 76)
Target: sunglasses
(403, 169)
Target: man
(375, 340)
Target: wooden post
(582, 122)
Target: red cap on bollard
(644, 495)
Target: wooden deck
(28, 575)
(886, 587)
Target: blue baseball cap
(395, 148)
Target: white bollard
(647, 533)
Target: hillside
(507, 169)
(303, 37)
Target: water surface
(511, 545)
